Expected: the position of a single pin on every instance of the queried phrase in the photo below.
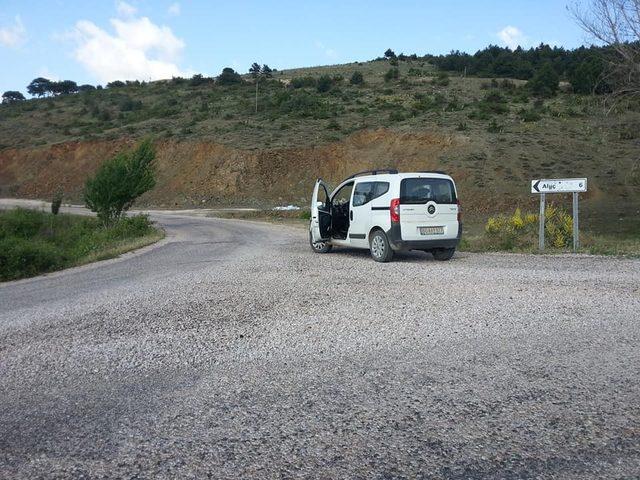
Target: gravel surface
(233, 351)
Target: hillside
(214, 149)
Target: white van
(386, 211)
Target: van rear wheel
(443, 254)
(380, 247)
(319, 247)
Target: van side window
(367, 191)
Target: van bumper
(395, 237)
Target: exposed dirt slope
(199, 173)
(192, 173)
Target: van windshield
(423, 190)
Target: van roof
(387, 176)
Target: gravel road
(232, 351)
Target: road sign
(559, 185)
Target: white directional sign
(559, 185)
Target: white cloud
(174, 9)
(13, 35)
(329, 52)
(46, 73)
(512, 37)
(125, 9)
(137, 50)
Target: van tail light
(459, 212)
(394, 210)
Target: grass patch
(34, 242)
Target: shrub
(116, 84)
(529, 115)
(127, 104)
(392, 74)
(494, 127)
(356, 79)
(396, 116)
(324, 84)
(27, 257)
(228, 76)
(56, 202)
(119, 182)
(442, 79)
(198, 79)
(302, 104)
(494, 102)
(520, 231)
(302, 82)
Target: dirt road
(232, 351)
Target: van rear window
(423, 190)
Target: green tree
(64, 87)
(229, 77)
(356, 79)
(267, 72)
(255, 70)
(12, 96)
(389, 54)
(39, 87)
(545, 82)
(120, 181)
(588, 76)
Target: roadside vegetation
(35, 242)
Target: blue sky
(97, 41)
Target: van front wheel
(319, 247)
(380, 247)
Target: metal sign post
(541, 232)
(559, 185)
(576, 237)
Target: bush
(356, 79)
(127, 104)
(520, 231)
(494, 127)
(324, 84)
(396, 116)
(529, 115)
(392, 74)
(21, 257)
(56, 202)
(34, 242)
(119, 182)
(545, 82)
(228, 77)
(302, 82)
(442, 79)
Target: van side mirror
(319, 204)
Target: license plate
(431, 230)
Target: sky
(97, 41)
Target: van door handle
(351, 215)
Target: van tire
(319, 247)
(443, 254)
(380, 247)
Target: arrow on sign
(535, 186)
